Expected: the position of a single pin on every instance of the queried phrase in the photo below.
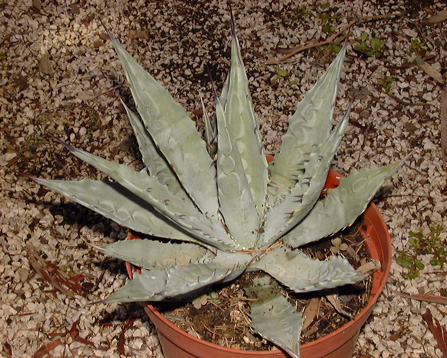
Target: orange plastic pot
(177, 343)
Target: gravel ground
(60, 77)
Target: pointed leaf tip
(213, 85)
(66, 145)
(348, 33)
(233, 22)
(107, 30)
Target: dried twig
(406, 103)
(423, 297)
(212, 331)
(329, 40)
(444, 126)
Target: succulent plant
(215, 208)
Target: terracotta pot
(176, 343)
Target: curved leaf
(176, 282)
(115, 202)
(152, 157)
(183, 212)
(302, 274)
(273, 317)
(310, 181)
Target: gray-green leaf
(153, 158)
(301, 273)
(243, 125)
(235, 197)
(273, 317)
(310, 124)
(151, 253)
(115, 202)
(342, 205)
(182, 212)
(173, 132)
(178, 282)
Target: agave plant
(219, 208)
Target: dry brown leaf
(37, 5)
(52, 274)
(440, 16)
(444, 126)
(138, 34)
(74, 331)
(8, 348)
(45, 65)
(431, 71)
(21, 82)
(311, 312)
(312, 329)
(46, 348)
(103, 348)
(370, 267)
(84, 341)
(336, 303)
(439, 332)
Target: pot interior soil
(221, 315)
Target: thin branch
(333, 37)
(423, 297)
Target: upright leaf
(210, 131)
(311, 177)
(174, 134)
(153, 158)
(235, 198)
(309, 125)
(244, 127)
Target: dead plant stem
(333, 37)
